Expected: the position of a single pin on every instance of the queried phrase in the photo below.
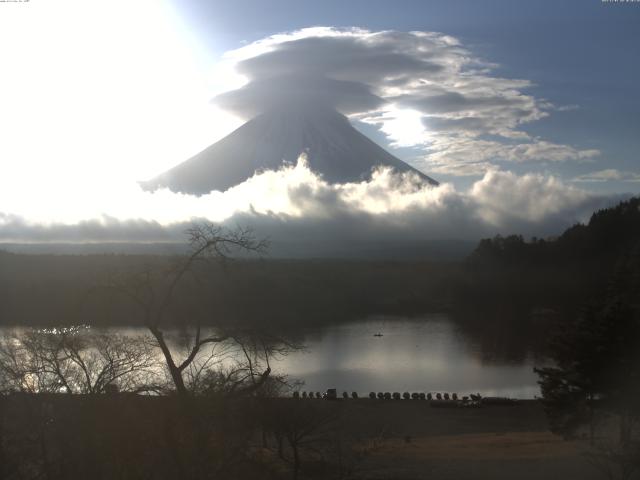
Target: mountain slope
(334, 149)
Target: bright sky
(581, 55)
(97, 95)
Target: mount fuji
(334, 148)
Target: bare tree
(306, 427)
(74, 360)
(234, 360)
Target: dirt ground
(499, 442)
(154, 437)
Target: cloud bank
(420, 88)
(304, 215)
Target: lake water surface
(426, 354)
(395, 354)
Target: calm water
(423, 354)
(426, 354)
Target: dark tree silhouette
(597, 360)
(303, 426)
(75, 360)
(197, 366)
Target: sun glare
(404, 127)
(96, 95)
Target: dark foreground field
(499, 442)
(127, 437)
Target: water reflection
(429, 353)
(422, 354)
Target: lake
(431, 353)
(425, 354)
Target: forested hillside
(561, 272)
(69, 289)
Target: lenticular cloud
(465, 118)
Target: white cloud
(301, 212)
(97, 130)
(504, 197)
(469, 156)
(420, 88)
(607, 175)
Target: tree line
(591, 387)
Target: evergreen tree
(597, 362)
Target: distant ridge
(334, 148)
